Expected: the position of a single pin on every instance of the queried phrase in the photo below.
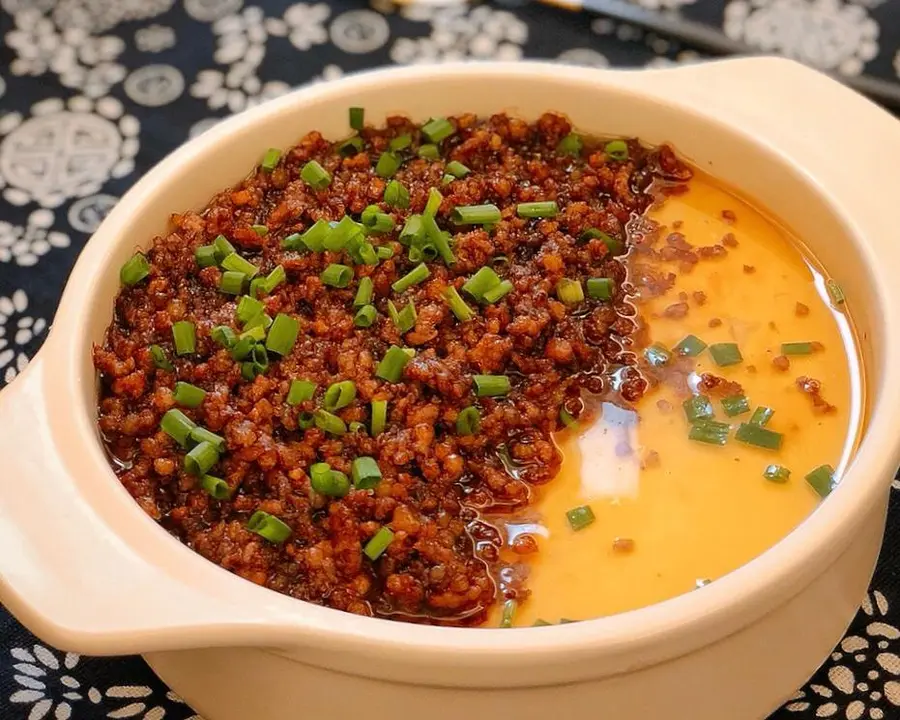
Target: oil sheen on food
(671, 513)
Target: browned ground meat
(439, 490)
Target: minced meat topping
(441, 559)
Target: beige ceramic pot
(85, 569)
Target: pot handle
(67, 575)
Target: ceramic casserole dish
(85, 569)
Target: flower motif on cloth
(827, 34)
(17, 331)
(155, 85)
(65, 150)
(154, 38)
(303, 23)
(359, 31)
(211, 10)
(862, 674)
(102, 15)
(23, 245)
(583, 56)
(459, 32)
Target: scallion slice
(468, 422)
(498, 292)
(379, 543)
(429, 152)
(391, 366)
(482, 281)
(300, 391)
(571, 144)
(283, 334)
(384, 252)
(224, 336)
(340, 395)
(365, 316)
(201, 434)
(357, 118)
(580, 517)
(340, 234)
(761, 416)
(690, 346)
(305, 420)
(405, 319)
(613, 245)
(269, 527)
(365, 472)
(200, 459)
(336, 275)
(758, 436)
(476, 214)
(777, 474)
(177, 426)
(457, 169)
(314, 237)
(328, 482)
(185, 336)
(235, 263)
(188, 395)
(243, 347)
(261, 230)
(601, 288)
(543, 209)
(412, 230)
(797, 348)
(569, 291)
(438, 129)
(401, 142)
(617, 150)
(710, 432)
(697, 407)
(509, 613)
(364, 292)
(835, 292)
(160, 360)
(418, 274)
(223, 247)
(388, 164)
(433, 204)
(248, 308)
(491, 385)
(657, 356)
(205, 255)
(270, 159)
(735, 405)
(314, 175)
(396, 195)
(822, 480)
(457, 305)
(215, 487)
(379, 417)
(134, 270)
(351, 146)
(329, 422)
(724, 354)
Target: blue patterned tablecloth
(94, 92)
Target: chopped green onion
(379, 543)
(185, 336)
(248, 308)
(282, 334)
(381, 223)
(379, 417)
(328, 482)
(411, 230)
(429, 152)
(256, 328)
(797, 348)
(498, 292)
(822, 480)
(481, 282)
(257, 287)
(468, 422)
(391, 366)
(365, 316)
(433, 204)
(601, 288)
(735, 405)
(405, 319)
(439, 240)
(509, 612)
(235, 263)
(761, 416)
(300, 391)
(401, 142)
(438, 129)
(418, 274)
(261, 230)
(724, 354)
(364, 292)
(305, 420)
(476, 214)
(224, 336)
(569, 291)
(315, 175)
(336, 275)
(356, 426)
(188, 395)
(447, 178)
(329, 422)
(567, 419)
(340, 234)
(201, 434)
(388, 164)
(232, 282)
(544, 209)
(340, 395)
(491, 385)
(571, 144)
(580, 517)
(134, 270)
(457, 169)
(159, 358)
(366, 473)
(177, 426)
(835, 292)
(357, 118)
(200, 459)
(270, 159)
(269, 527)
(243, 347)
(351, 146)
(215, 487)
(205, 255)
(457, 305)
(657, 356)
(223, 248)
(617, 150)
(709, 432)
(690, 346)
(315, 235)
(759, 436)
(396, 194)
(777, 473)
(384, 252)
(250, 369)
(697, 407)
(540, 623)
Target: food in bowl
(355, 377)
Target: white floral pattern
(459, 32)
(303, 24)
(17, 330)
(154, 38)
(23, 245)
(827, 34)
